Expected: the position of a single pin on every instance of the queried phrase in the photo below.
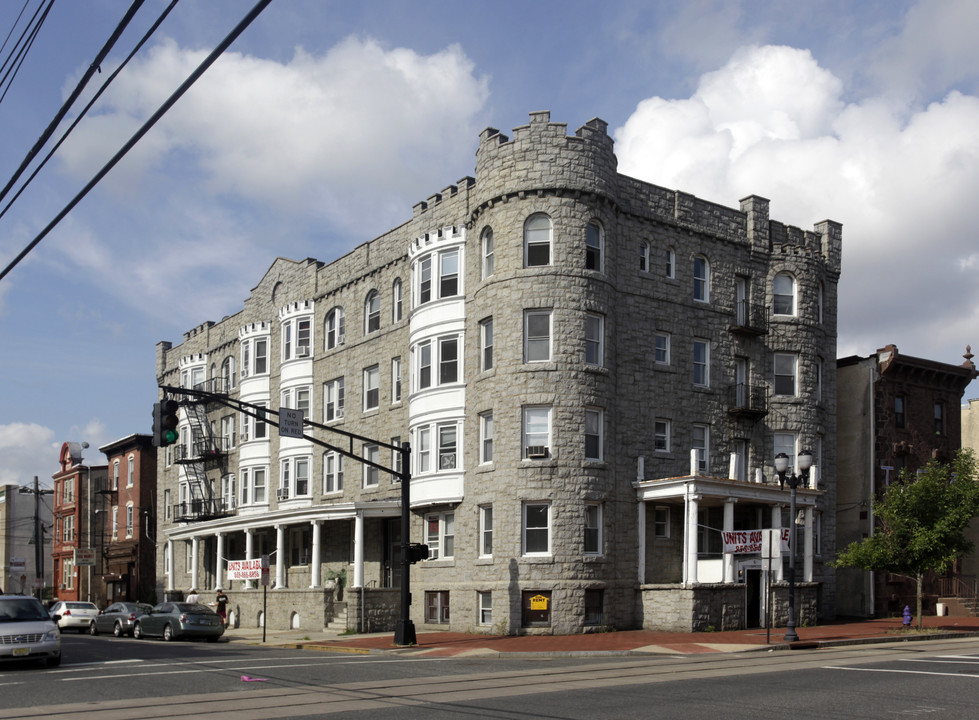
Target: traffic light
(165, 432)
(157, 425)
(416, 552)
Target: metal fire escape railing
(206, 450)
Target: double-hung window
(701, 363)
(447, 447)
(372, 312)
(487, 250)
(396, 380)
(372, 377)
(661, 348)
(335, 328)
(486, 344)
(783, 294)
(333, 400)
(593, 529)
(438, 275)
(537, 528)
(485, 530)
(701, 443)
(449, 274)
(593, 246)
(661, 435)
(701, 279)
(440, 535)
(644, 257)
(254, 357)
(296, 338)
(786, 367)
(486, 437)
(536, 431)
(397, 301)
(593, 434)
(537, 240)
(423, 455)
(537, 336)
(372, 452)
(594, 339)
(448, 360)
(332, 472)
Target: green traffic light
(170, 437)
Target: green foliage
(920, 523)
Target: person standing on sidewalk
(222, 606)
(192, 596)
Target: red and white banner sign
(751, 541)
(245, 569)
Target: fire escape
(206, 452)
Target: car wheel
(117, 629)
(168, 633)
(138, 631)
(92, 630)
(212, 639)
(53, 661)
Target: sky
(326, 121)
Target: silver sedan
(119, 618)
(174, 620)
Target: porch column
(195, 549)
(170, 571)
(315, 576)
(728, 527)
(280, 557)
(358, 550)
(690, 539)
(249, 555)
(219, 561)
(807, 545)
(641, 562)
(777, 525)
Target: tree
(920, 523)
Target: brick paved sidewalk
(442, 644)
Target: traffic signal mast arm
(261, 413)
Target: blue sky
(327, 121)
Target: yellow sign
(538, 602)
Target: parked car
(27, 632)
(119, 618)
(74, 614)
(174, 620)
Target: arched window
(701, 279)
(335, 330)
(594, 242)
(397, 304)
(372, 312)
(537, 240)
(644, 257)
(783, 294)
(228, 373)
(487, 252)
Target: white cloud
(27, 450)
(328, 134)
(903, 183)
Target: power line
(32, 28)
(161, 111)
(66, 105)
(105, 85)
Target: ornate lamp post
(781, 469)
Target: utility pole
(38, 537)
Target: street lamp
(781, 469)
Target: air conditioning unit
(61, 586)
(339, 413)
(282, 494)
(302, 351)
(537, 451)
(341, 338)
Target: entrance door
(753, 604)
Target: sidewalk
(449, 644)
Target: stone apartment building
(895, 413)
(594, 375)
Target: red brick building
(75, 487)
(895, 413)
(125, 517)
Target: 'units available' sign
(245, 569)
(753, 541)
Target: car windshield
(20, 609)
(193, 608)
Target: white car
(75, 614)
(27, 632)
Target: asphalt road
(106, 678)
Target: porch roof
(716, 490)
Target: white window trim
(667, 337)
(600, 528)
(597, 415)
(527, 338)
(486, 419)
(706, 363)
(598, 342)
(794, 358)
(549, 528)
(668, 425)
(792, 295)
(524, 430)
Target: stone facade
(578, 322)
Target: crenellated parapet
(541, 157)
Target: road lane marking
(904, 672)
